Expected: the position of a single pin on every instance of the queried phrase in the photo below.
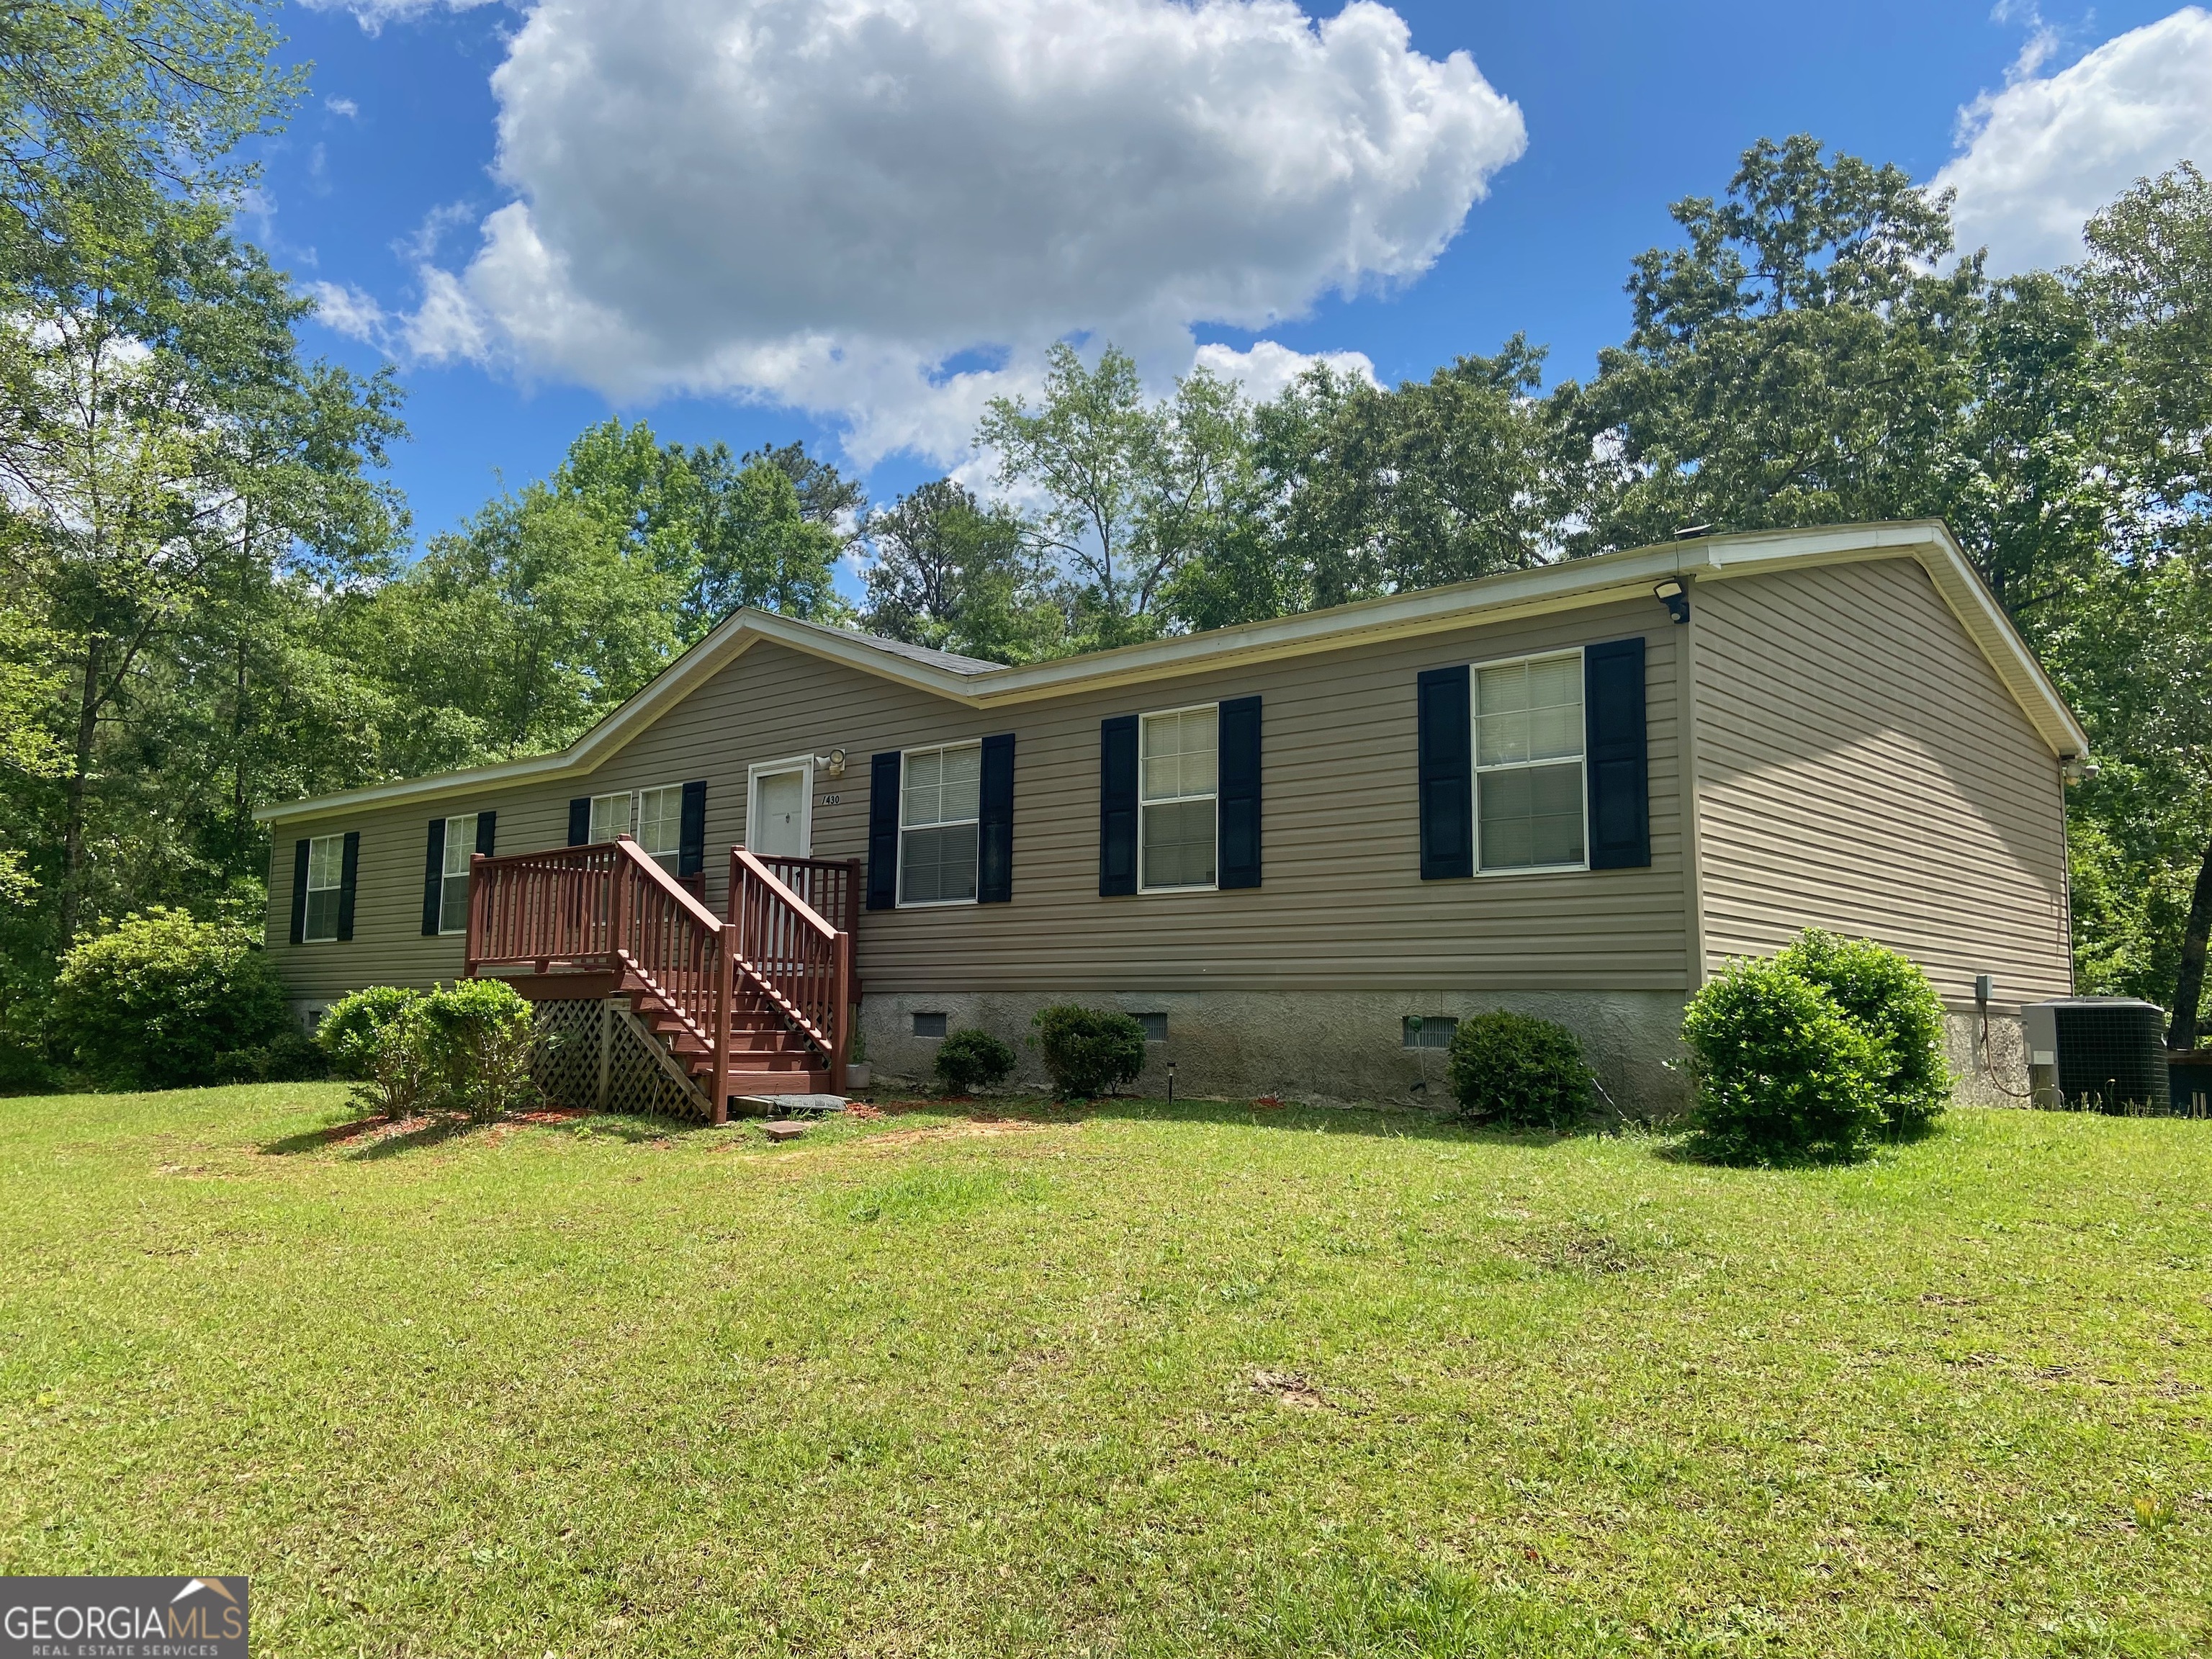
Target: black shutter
(580, 820)
(882, 831)
(348, 871)
(1619, 787)
(1239, 793)
(1447, 763)
(487, 830)
(995, 833)
(299, 892)
(434, 875)
(691, 832)
(1118, 807)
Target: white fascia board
(1571, 584)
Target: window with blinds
(1529, 786)
(940, 801)
(1178, 780)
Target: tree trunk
(2189, 978)
(88, 723)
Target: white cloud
(1267, 366)
(2044, 154)
(826, 202)
(350, 312)
(343, 106)
(373, 14)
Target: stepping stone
(783, 1130)
(820, 1105)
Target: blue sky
(381, 190)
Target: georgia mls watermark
(122, 1618)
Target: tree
(116, 110)
(516, 633)
(950, 573)
(164, 451)
(1133, 489)
(1797, 361)
(2141, 653)
(760, 531)
(1364, 491)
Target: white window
(1529, 799)
(660, 824)
(1177, 817)
(652, 817)
(940, 800)
(610, 815)
(325, 876)
(453, 885)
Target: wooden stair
(767, 1057)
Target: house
(1298, 849)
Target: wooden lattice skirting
(599, 1056)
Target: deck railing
(610, 908)
(789, 952)
(829, 887)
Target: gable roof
(1569, 585)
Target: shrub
(1780, 1072)
(157, 1001)
(1519, 1070)
(351, 1026)
(1886, 996)
(290, 1056)
(404, 1072)
(1087, 1051)
(485, 1036)
(969, 1059)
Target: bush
(1519, 1070)
(1781, 1073)
(1886, 996)
(290, 1056)
(352, 1025)
(160, 999)
(404, 1071)
(1086, 1051)
(969, 1059)
(484, 1036)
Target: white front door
(779, 824)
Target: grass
(1142, 1380)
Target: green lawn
(1148, 1380)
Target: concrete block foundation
(1321, 1047)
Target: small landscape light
(1171, 1083)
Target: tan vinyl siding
(1860, 766)
(1342, 906)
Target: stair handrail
(794, 957)
(611, 904)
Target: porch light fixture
(832, 764)
(1675, 597)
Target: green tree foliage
(523, 629)
(2133, 647)
(159, 1001)
(1355, 491)
(951, 573)
(1794, 361)
(119, 111)
(1134, 490)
